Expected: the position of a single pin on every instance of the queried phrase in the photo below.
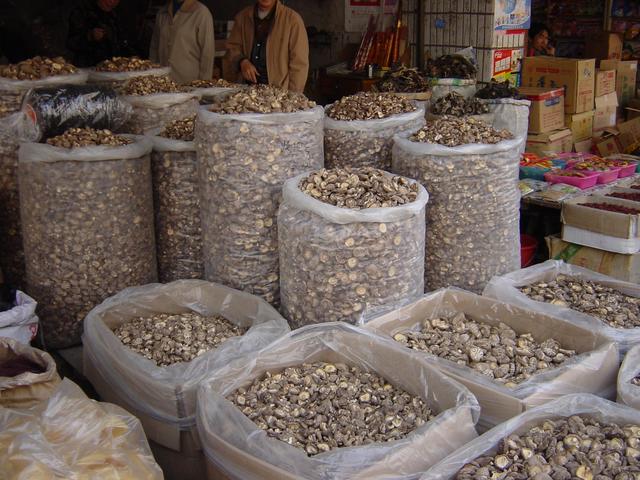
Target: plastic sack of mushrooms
(147, 348)
(471, 173)
(359, 129)
(87, 219)
(510, 110)
(115, 72)
(176, 202)
(456, 105)
(212, 91)
(389, 417)
(576, 295)
(27, 375)
(578, 436)
(510, 358)
(71, 436)
(247, 148)
(629, 379)
(347, 252)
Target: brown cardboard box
(546, 112)
(608, 223)
(605, 82)
(542, 144)
(584, 146)
(616, 265)
(606, 112)
(497, 402)
(633, 109)
(608, 143)
(626, 73)
(607, 45)
(629, 137)
(581, 125)
(577, 76)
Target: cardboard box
(608, 143)
(608, 223)
(605, 82)
(606, 112)
(626, 73)
(583, 146)
(607, 45)
(546, 112)
(581, 125)
(629, 137)
(577, 76)
(616, 265)
(633, 109)
(543, 144)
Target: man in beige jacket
(183, 39)
(268, 44)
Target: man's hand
(97, 34)
(249, 71)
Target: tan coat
(184, 42)
(287, 48)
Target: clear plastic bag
(235, 445)
(366, 143)
(505, 288)
(176, 203)
(628, 393)
(87, 219)
(243, 162)
(153, 112)
(565, 407)
(168, 394)
(211, 95)
(70, 436)
(440, 87)
(342, 264)
(21, 322)
(473, 230)
(118, 79)
(510, 114)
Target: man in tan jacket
(183, 39)
(268, 44)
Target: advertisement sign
(512, 15)
(357, 13)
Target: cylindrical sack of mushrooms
(87, 217)
(509, 109)
(454, 73)
(212, 91)
(156, 101)
(349, 405)
(576, 295)
(471, 173)
(456, 105)
(147, 348)
(115, 72)
(578, 436)
(248, 146)
(27, 375)
(351, 244)
(359, 129)
(176, 202)
(629, 379)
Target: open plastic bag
(211, 95)
(487, 444)
(592, 370)
(20, 322)
(383, 249)
(176, 203)
(118, 79)
(510, 114)
(168, 394)
(239, 448)
(440, 87)
(243, 161)
(366, 143)
(72, 437)
(87, 220)
(153, 112)
(628, 393)
(473, 219)
(505, 288)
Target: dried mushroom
(149, 85)
(12, 253)
(320, 406)
(495, 351)
(37, 68)
(369, 106)
(458, 106)
(495, 89)
(636, 380)
(214, 83)
(264, 99)
(166, 338)
(125, 64)
(85, 137)
(451, 66)
(181, 129)
(453, 131)
(609, 305)
(404, 80)
(577, 447)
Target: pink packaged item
(588, 181)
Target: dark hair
(537, 28)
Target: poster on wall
(358, 12)
(512, 15)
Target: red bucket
(528, 247)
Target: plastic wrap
(243, 162)
(237, 447)
(440, 87)
(210, 95)
(592, 370)
(73, 437)
(628, 393)
(26, 389)
(176, 203)
(565, 407)
(510, 114)
(118, 79)
(57, 109)
(473, 230)
(153, 112)
(87, 217)
(366, 143)
(21, 322)
(168, 394)
(505, 288)
(342, 264)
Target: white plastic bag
(473, 230)
(628, 393)
(168, 394)
(238, 447)
(211, 95)
(505, 288)
(153, 112)
(384, 245)
(21, 322)
(487, 444)
(117, 79)
(440, 87)
(366, 143)
(510, 114)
